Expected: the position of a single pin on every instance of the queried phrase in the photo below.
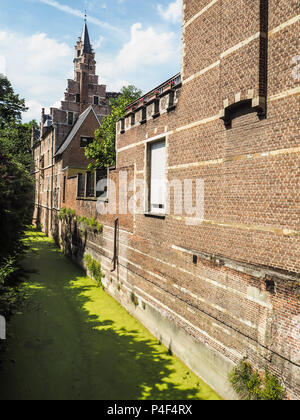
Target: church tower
(82, 92)
(85, 68)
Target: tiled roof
(75, 128)
(86, 40)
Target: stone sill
(86, 199)
(95, 199)
(155, 215)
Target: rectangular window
(64, 189)
(96, 100)
(156, 108)
(80, 185)
(85, 141)
(101, 183)
(157, 178)
(70, 118)
(90, 185)
(143, 115)
(132, 120)
(77, 97)
(122, 131)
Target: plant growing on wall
(134, 299)
(66, 214)
(74, 232)
(95, 269)
(89, 224)
(86, 223)
(250, 385)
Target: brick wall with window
(74, 156)
(229, 281)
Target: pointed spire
(87, 48)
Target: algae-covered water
(71, 340)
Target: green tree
(16, 138)
(102, 150)
(16, 193)
(11, 106)
(16, 187)
(15, 181)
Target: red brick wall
(251, 229)
(74, 155)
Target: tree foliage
(16, 197)
(15, 141)
(102, 151)
(16, 192)
(11, 106)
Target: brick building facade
(219, 281)
(58, 148)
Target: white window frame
(154, 194)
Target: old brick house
(58, 148)
(219, 282)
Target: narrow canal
(71, 340)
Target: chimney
(42, 121)
(32, 135)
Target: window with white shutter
(158, 177)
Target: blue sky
(136, 42)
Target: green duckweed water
(72, 341)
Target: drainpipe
(115, 258)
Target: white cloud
(2, 65)
(172, 13)
(97, 43)
(146, 51)
(37, 67)
(34, 111)
(146, 47)
(75, 12)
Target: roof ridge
(75, 129)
